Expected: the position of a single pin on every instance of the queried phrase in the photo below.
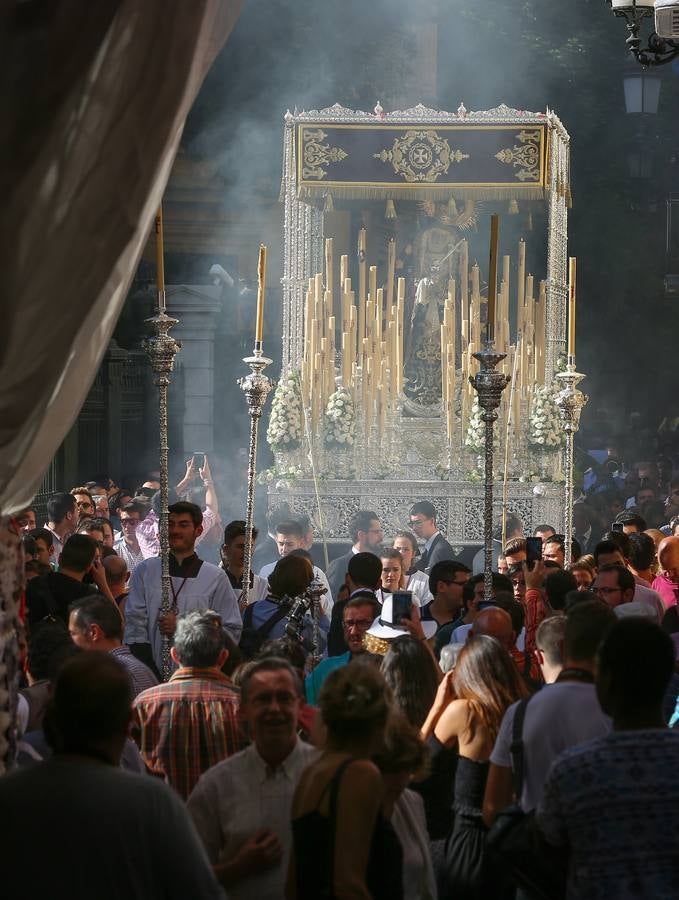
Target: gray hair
(199, 638)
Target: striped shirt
(125, 552)
(141, 677)
(187, 725)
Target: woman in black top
(342, 844)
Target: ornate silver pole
(489, 386)
(256, 387)
(570, 401)
(161, 349)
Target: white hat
(636, 608)
(382, 627)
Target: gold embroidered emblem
(421, 156)
(524, 157)
(317, 154)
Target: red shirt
(187, 725)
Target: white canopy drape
(98, 95)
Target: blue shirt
(615, 802)
(314, 680)
(263, 610)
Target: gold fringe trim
(310, 193)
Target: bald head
(116, 570)
(668, 557)
(494, 622)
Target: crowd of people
(359, 724)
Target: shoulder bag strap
(516, 748)
(247, 616)
(273, 619)
(332, 818)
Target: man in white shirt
(559, 716)
(195, 584)
(241, 807)
(614, 552)
(128, 545)
(289, 537)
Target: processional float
(397, 340)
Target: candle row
(371, 343)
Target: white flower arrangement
(544, 425)
(285, 423)
(280, 473)
(475, 438)
(339, 429)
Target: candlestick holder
(570, 401)
(256, 387)
(161, 350)
(489, 386)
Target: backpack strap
(516, 748)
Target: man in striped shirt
(192, 722)
(95, 623)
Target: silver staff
(489, 386)
(161, 349)
(570, 401)
(256, 387)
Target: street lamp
(663, 43)
(642, 91)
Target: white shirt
(237, 797)
(559, 716)
(57, 544)
(210, 589)
(418, 583)
(410, 825)
(644, 594)
(326, 600)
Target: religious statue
(436, 262)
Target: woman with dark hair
(417, 582)
(410, 671)
(343, 846)
(467, 713)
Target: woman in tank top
(343, 846)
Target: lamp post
(642, 91)
(663, 43)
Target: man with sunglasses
(84, 502)
(436, 547)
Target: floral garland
(339, 428)
(544, 425)
(279, 473)
(475, 438)
(285, 424)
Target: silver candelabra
(570, 401)
(256, 387)
(489, 386)
(161, 350)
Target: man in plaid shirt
(190, 723)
